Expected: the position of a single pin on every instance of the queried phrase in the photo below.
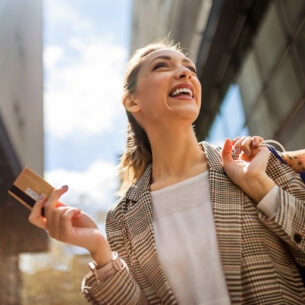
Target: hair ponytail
(136, 157)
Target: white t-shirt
(186, 242)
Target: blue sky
(86, 46)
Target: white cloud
(83, 93)
(82, 96)
(65, 14)
(52, 56)
(91, 190)
(83, 71)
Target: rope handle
(271, 144)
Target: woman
(195, 224)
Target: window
(229, 123)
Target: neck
(176, 156)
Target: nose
(183, 72)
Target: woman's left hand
(249, 170)
(66, 223)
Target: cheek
(151, 94)
(199, 93)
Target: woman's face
(167, 87)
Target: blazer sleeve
(121, 288)
(289, 220)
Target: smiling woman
(188, 211)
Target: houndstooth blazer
(258, 254)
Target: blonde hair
(138, 150)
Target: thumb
(260, 161)
(227, 151)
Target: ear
(130, 103)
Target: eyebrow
(168, 57)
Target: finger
(84, 220)
(53, 198)
(235, 140)
(69, 215)
(237, 143)
(256, 141)
(35, 216)
(245, 146)
(250, 147)
(252, 142)
(66, 228)
(227, 150)
(53, 220)
(59, 204)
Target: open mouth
(182, 91)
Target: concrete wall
(21, 78)
(21, 133)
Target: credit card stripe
(22, 195)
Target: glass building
(250, 60)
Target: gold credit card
(28, 187)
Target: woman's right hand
(70, 225)
(248, 171)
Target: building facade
(250, 61)
(21, 133)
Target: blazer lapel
(227, 202)
(138, 220)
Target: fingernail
(64, 186)
(41, 196)
(236, 150)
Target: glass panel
(233, 112)
(292, 11)
(262, 122)
(270, 42)
(229, 123)
(217, 132)
(284, 90)
(293, 134)
(299, 45)
(250, 82)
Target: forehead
(165, 54)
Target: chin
(190, 116)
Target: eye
(193, 69)
(160, 64)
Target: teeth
(180, 90)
